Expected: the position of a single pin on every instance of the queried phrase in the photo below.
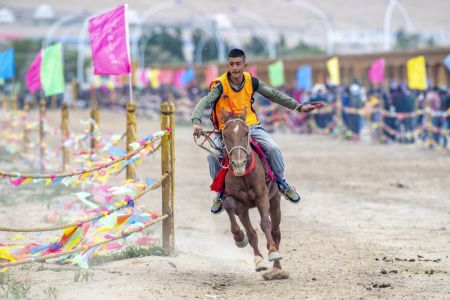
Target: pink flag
(33, 76)
(143, 77)
(165, 76)
(109, 42)
(252, 70)
(177, 78)
(211, 73)
(376, 71)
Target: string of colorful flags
(97, 169)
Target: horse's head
(236, 138)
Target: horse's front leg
(229, 204)
(253, 239)
(266, 226)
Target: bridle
(246, 150)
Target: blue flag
(188, 76)
(447, 62)
(304, 77)
(7, 64)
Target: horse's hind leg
(229, 204)
(275, 217)
(253, 239)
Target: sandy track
(366, 208)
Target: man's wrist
(299, 107)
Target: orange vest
(234, 101)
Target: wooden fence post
(131, 136)
(14, 102)
(95, 119)
(65, 135)
(5, 103)
(26, 138)
(42, 133)
(168, 166)
(54, 102)
(74, 85)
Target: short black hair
(236, 53)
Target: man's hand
(307, 107)
(197, 130)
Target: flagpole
(131, 87)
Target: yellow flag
(417, 73)
(154, 78)
(333, 71)
(4, 254)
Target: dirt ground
(374, 222)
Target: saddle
(218, 184)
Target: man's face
(236, 67)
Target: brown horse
(245, 190)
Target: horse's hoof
(260, 265)
(242, 243)
(276, 274)
(275, 256)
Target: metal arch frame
(323, 17)
(167, 5)
(270, 47)
(220, 44)
(198, 55)
(58, 23)
(388, 20)
(82, 35)
(145, 15)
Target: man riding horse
(233, 91)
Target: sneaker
(288, 191)
(216, 208)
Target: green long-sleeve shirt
(263, 89)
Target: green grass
(129, 252)
(11, 288)
(51, 292)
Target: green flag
(52, 74)
(276, 74)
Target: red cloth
(218, 184)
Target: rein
(248, 152)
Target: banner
(417, 74)
(33, 76)
(304, 77)
(177, 78)
(165, 76)
(276, 74)
(333, 71)
(7, 64)
(108, 34)
(188, 76)
(211, 73)
(376, 71)
(447, 62)
(252, 70)
(52, 73)
(154, 78)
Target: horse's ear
(225, 115)
(244, 114)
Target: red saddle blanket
(218, 184)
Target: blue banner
(447, 62)
(7, 64)
(188, 76)
(304, 77)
